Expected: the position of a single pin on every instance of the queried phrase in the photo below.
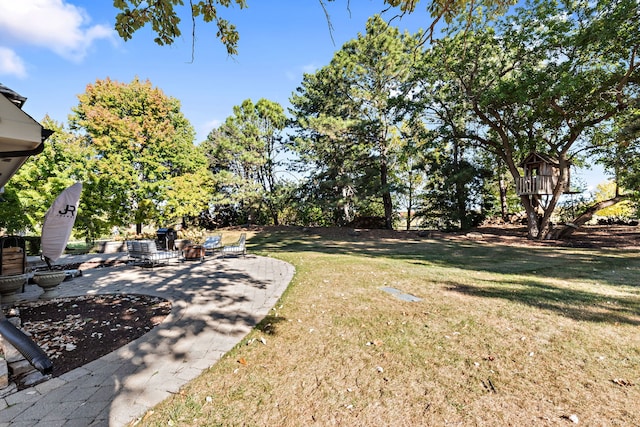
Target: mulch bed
(75, 331)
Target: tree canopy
(145, 167)
(39, 181)
(243, 157)
(352, 108)
(390, 122)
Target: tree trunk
(410, 200)
(533, 226)
(347, 193)
(539, 214)
(386, 196)
(139, 229)
(503, 198)
(461, 205)
(388, 210)
(580, 220)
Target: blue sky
(50, 55)
(51, 49)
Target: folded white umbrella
(58, 223)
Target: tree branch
(580, 220)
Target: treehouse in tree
(541, 175)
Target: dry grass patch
(502, 336)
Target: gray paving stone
(79, 422)
(81, 393)
(8, 390)
(215, 304)
(50, 385)
(19, 423)
(88, 410)
(127, 414)
(58, 394)
(43, 410)
(75, 374)
(22, 396)
(56, 423)
(8, 414)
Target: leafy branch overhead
(165, 20)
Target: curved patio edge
(215, 304)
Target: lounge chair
(236, 248)
(212, 243)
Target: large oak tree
(551, 78)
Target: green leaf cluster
(38, 182)
(553, 78)
(348, 117)
(165, 20)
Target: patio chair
(211, 243)
(236, 248)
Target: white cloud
(51, 24)
(11, 64)
(203, 130)
(305, 69)
(212, 124)
(310, 68)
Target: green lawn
(503, 335)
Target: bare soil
(597, 237)
(600, 236)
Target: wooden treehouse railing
(539, 184)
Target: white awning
(20, 137)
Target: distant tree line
(391, 129)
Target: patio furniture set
(146, 252)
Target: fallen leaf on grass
(242, 361)
(573, 418)
(622, 382)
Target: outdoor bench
(145, 252)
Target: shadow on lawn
(607, 266)
(269, 324)
(576, 304)
(520, 265)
